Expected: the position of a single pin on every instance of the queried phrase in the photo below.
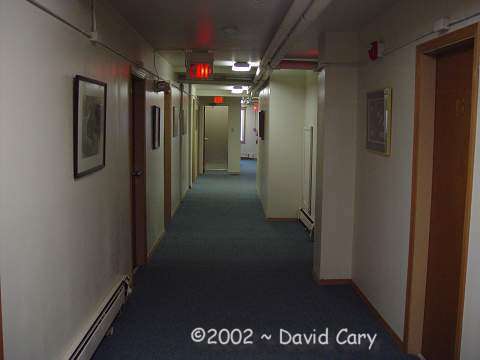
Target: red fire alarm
(218, 100)
(376, 50)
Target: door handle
(205, 139)
(137, 173)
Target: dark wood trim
(334, 282)
(130, 153)
(167, 153)
(380, 318)
(447, 40)
(373, 310)
(424, 66)
(281, 219)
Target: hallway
(221, 265)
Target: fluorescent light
(238, 89)
(241, 66)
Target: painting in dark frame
(379, 121)
(89, 125)
(156, 125)
(261, 125)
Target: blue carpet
(220, 265)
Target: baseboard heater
(306, 220)
(94, 335)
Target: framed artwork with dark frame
(261, 125)
(89, 125)
(156, 124)
(379, 121)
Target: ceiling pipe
(300, 15)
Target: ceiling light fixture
(230, 30)
(238, 89)
(241, 66)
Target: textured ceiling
(236, 30)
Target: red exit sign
(200, 71)
(218, 99)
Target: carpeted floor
(221, 265)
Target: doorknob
(137, 173)
(205, 139)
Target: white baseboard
(94, 332)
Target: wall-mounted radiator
(94, 335)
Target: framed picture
(156, 122)
(89, 125)
(261, 125)
(175, 122)
(379, 121)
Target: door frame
(422, 169)
(167, 154)
(139, 246)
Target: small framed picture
(156, 124)
(261, 125)
(89, 125)
(379, 121)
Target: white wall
(280, 167)
(263, 151)
(185, 148)
(335, 225)
(64, 243)
(155, 170)
(176, 154)
(249, 148)
(471, 315)
(382, 217)
(311, 118)
(234, 114)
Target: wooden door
(449, 191)
(138, 169)
(167, 153)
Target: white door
(216, 137)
